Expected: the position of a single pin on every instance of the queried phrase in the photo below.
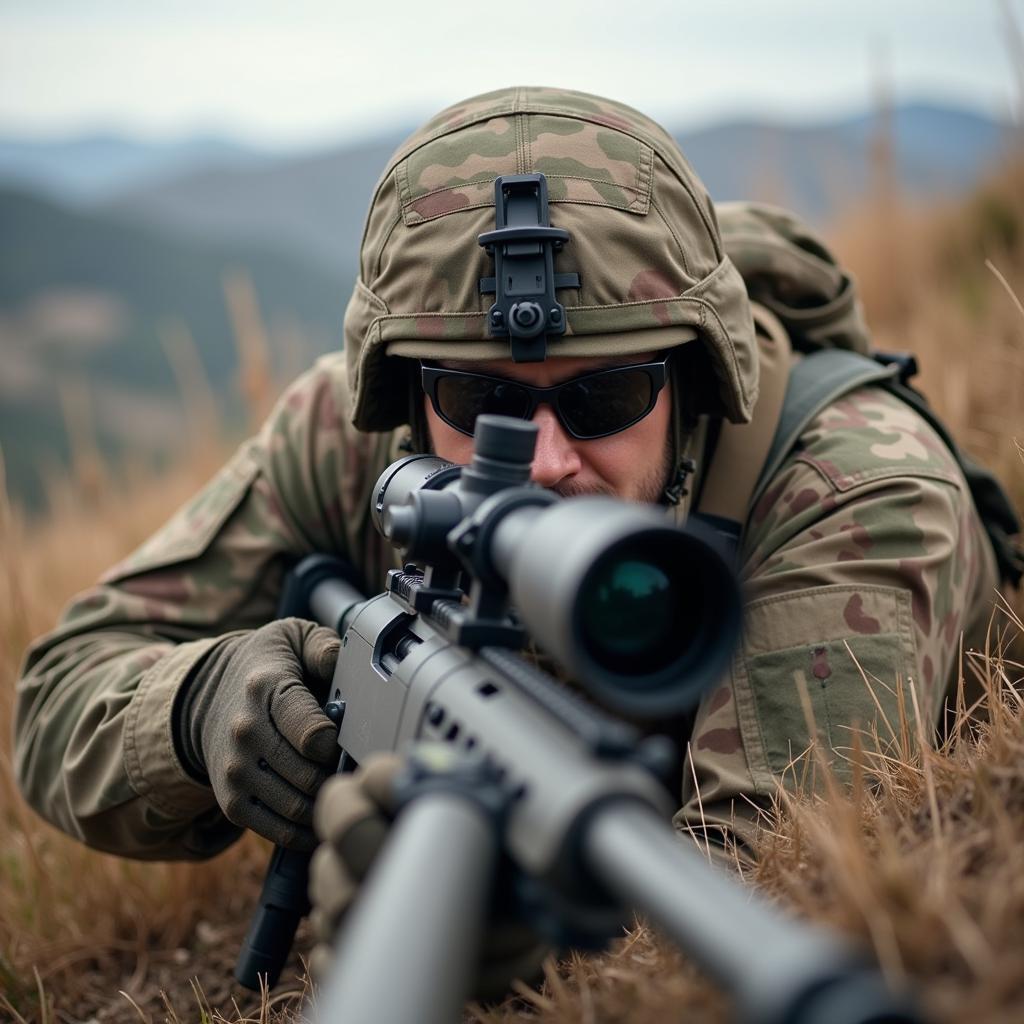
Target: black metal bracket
(485, 625)
(415, 594)
(523, 245)
(906, 364)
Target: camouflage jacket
(863, 564)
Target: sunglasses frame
(657, 373)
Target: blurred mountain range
(98, 314)
(94, 167)
(112, 250)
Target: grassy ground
(923, 866)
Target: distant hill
(315, 204)
(90, 168)
(85, 297)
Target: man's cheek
(456, 448)
(445, 441)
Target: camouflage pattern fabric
(788, 268)
(864, 558)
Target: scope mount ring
(471, 539)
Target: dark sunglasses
(588, 407)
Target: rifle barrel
(421, 913)
(779, 971)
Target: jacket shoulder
(867, 456)
(870, 434)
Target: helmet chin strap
(418, 440)
(683, 468)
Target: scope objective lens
(634, 618)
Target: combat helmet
(638, 263)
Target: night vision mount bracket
(523, 245)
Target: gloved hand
(250, 722)
(353, 815)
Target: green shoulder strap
(820, 378)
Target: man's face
(631, 464)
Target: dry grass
(85, 925)
(923, 865)
(944, 281)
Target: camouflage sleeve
(863, 564)
(93, 744)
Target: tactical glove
(353, 815)
(250, 723)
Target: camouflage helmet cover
(643, 238)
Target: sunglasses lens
(461, 399)
(606, 402)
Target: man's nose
(556, 458)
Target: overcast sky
(305, 71)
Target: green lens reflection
(628, 611)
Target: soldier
(168, 711)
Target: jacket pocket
(829, 665)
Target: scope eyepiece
(404, 478)
(418, 500)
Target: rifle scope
(643, 613)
